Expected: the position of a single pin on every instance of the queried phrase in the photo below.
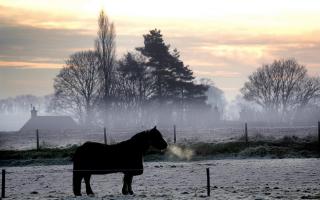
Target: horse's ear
(155, 127)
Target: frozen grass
(44, 156)
(230, 179)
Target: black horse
(126, 157)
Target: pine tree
(158, 56)
(174, 81)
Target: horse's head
(156, 139)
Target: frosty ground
(230, 179)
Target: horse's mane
(142, 135)
(140, 139)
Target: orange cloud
(16, 64)
(44, 19)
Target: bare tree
(281, 86)
(309, 90)
(105, 48)
(77, 87)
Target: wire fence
(39, 179)
(40, 138)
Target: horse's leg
(125, 185)
(130, 177)
(77, 177)
(88, 187)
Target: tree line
(94, 82)
(152, 84)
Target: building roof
(50, 123)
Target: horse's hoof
(131, 192)
(77, 195)
(125, 192)
(90, 195)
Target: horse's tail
(75, 156)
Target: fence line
(4, 172)
(37, 136)
(319, 133)
(45, 138)
(174, 134)
(105, 135)
(3, 183)
(208, 181)
(246, 134)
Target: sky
(222, 40)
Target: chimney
(33, 112)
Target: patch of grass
(204, 149)
(286, 147)
(44, 153)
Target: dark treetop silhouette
(126, 157)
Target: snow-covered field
(16, 140)
(230, 179)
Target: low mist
(15, 112)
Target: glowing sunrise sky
(223, 40)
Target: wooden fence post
(319, 134)
(3, 186)
(174, 134)
(246, 133)
(37, 135)
(105, 135)
(208, 182)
